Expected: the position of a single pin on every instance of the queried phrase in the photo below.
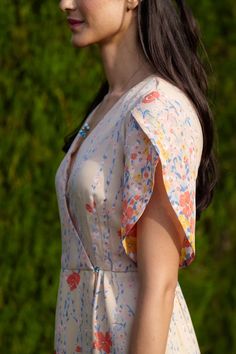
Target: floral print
(78, 349)
(150, 97)
(173, 136)
(73, 280)
(101, 196)
(103, 342)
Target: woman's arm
(159, 239)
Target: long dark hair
(170, 39)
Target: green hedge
(45, 86)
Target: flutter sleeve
(162, 129)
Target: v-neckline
(78, 137)
(78, 140)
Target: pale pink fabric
(100, 200)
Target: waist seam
(98, 269)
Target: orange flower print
(185, 202)
(133, 156)
(192, 225)
(151, 97)
(73, 280)
(78, 349)
(149, 157)
(103, 342)
(124, 204)
(129, 212)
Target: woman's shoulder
(166, 115)
(157, 92)
(160, 102)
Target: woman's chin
(79, 42)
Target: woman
(136, 176)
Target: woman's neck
(124, 64)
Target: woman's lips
(74, 22)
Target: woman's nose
(65, 5)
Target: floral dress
(100, 199)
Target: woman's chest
(97, 166)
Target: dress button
(96, 269)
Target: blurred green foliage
(45, 86)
